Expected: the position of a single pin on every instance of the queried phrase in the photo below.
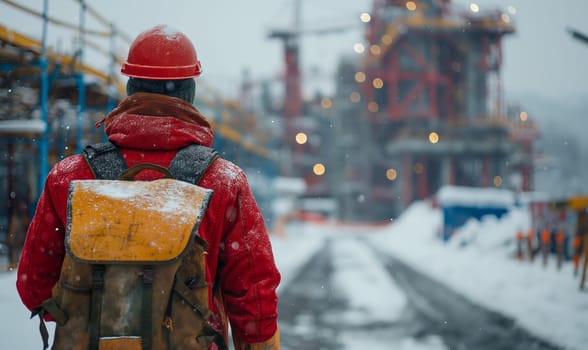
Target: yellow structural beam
(17, 39)
(20, 40)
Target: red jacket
(240, 264)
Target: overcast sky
(540, 58)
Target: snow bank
(469, 196)
(479, 263)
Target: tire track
(461, 323)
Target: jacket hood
(154, 121)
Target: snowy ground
(545, 301)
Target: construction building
(423, 109)
(50, 102)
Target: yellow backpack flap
(114, 221)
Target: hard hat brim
(161, 72)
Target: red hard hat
(162, 53)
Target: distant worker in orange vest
(560, 239)
(577, 247)
(520, 236)
(531, 243)
(545, 244)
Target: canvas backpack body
(133, 277)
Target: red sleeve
(42, 254)
(247, 272)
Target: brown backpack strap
(96, 305)
(186, 294)
(146, 330)
(59, 315)
(130, 173)
(40, 311)
(50, 307)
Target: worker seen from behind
(155, 121)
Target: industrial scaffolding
(431, 111)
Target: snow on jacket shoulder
(240, 263)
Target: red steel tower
(432, 86)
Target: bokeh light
(360, 77)
(391, 174)
(319, 169)
(301, 138)
(433, 137)
(365, 17)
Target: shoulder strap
(191, 162)
(105, 160)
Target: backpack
(133, 276)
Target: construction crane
(293, 104)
